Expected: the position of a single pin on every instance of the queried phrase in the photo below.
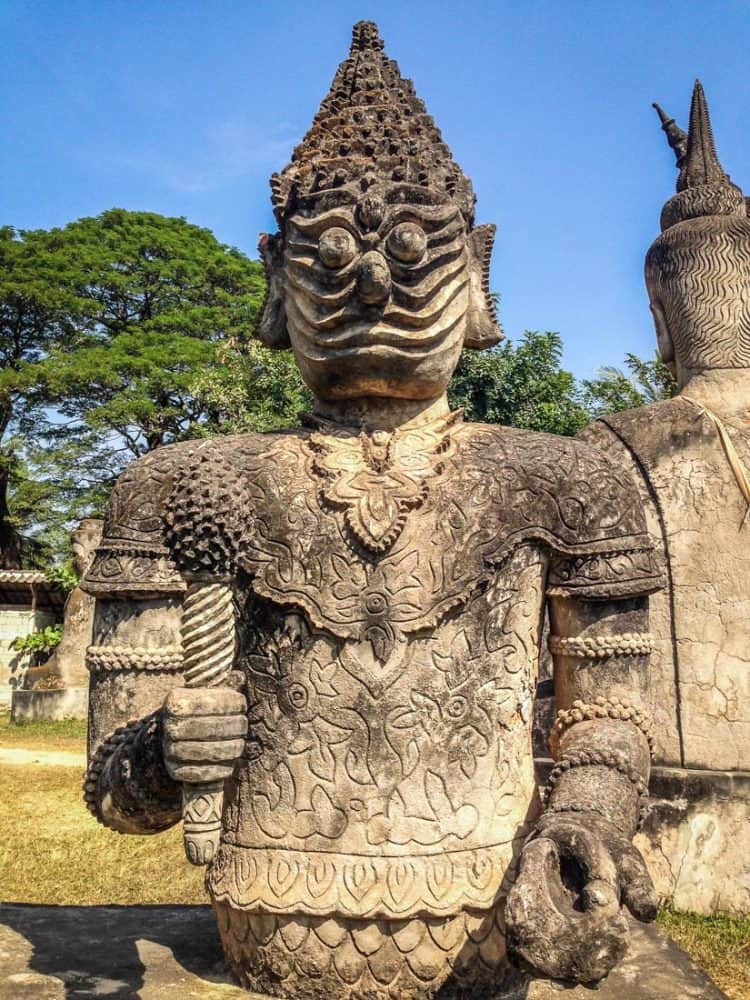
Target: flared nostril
(373, 279)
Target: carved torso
(390, 591)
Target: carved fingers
(637, 889)
(563, 913)
(204, 733)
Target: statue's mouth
(357, 327)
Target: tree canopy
(614, 390)
(148, 318)
(521, 385)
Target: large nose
(373, 279)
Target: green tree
(251, 388)
(521, 385)
(149, 305)
(614, 390)
(35, 317)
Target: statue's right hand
(204, 733)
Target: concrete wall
(17, 620)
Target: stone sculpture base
(340, 959)
(52, 705)
(163, 952)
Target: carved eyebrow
(430, 217)
(333, 217)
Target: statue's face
(376, 294)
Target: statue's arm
(133, 662)
(579, 870)
(149, 733)
(601, 739)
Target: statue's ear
(664, 338)
(482, 328)
(271, 329)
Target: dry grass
(721, 945)
(66, 736)
(53, 851)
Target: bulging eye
(407, 242)
(336, 247)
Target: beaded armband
(614, 759)
(104, 658)
(599, 647)
(602, 708)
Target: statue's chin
(380, 371)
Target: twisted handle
(208, 641)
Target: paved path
(55, 758)
(173, 953)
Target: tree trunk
(10, 540)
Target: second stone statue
(338, 626)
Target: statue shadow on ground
(110, 950)
(119, 951)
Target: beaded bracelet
(597, 647)
(601, 708)
(614, 759)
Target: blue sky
(186, 107)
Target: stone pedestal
(51, 705)
(160, 952)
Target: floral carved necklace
(377, 478)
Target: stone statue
(66, 668)
(338, 626)
(689, 458)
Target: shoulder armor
(649, 430)
(133, 558)
(569, 495)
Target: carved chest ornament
(376, 479)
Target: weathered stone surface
(696, 839)
(165, 952)
(689, 458)
(363, 596)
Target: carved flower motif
(460, 728)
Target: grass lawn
(721, 945)
(53, 851)
(66, 736)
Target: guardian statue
(326, 639)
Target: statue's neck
(376, 413)
(725, 391)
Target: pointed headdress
(703, 188)
(371, 128)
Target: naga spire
(703, 187)
(701, 164)
(676, 137)
(370, 128)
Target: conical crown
(703, 187)
(371, 128)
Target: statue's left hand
(564, 913)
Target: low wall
(62, 703)
(696, 839)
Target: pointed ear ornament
(271, 329)
(482, 328)
(703, 188)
